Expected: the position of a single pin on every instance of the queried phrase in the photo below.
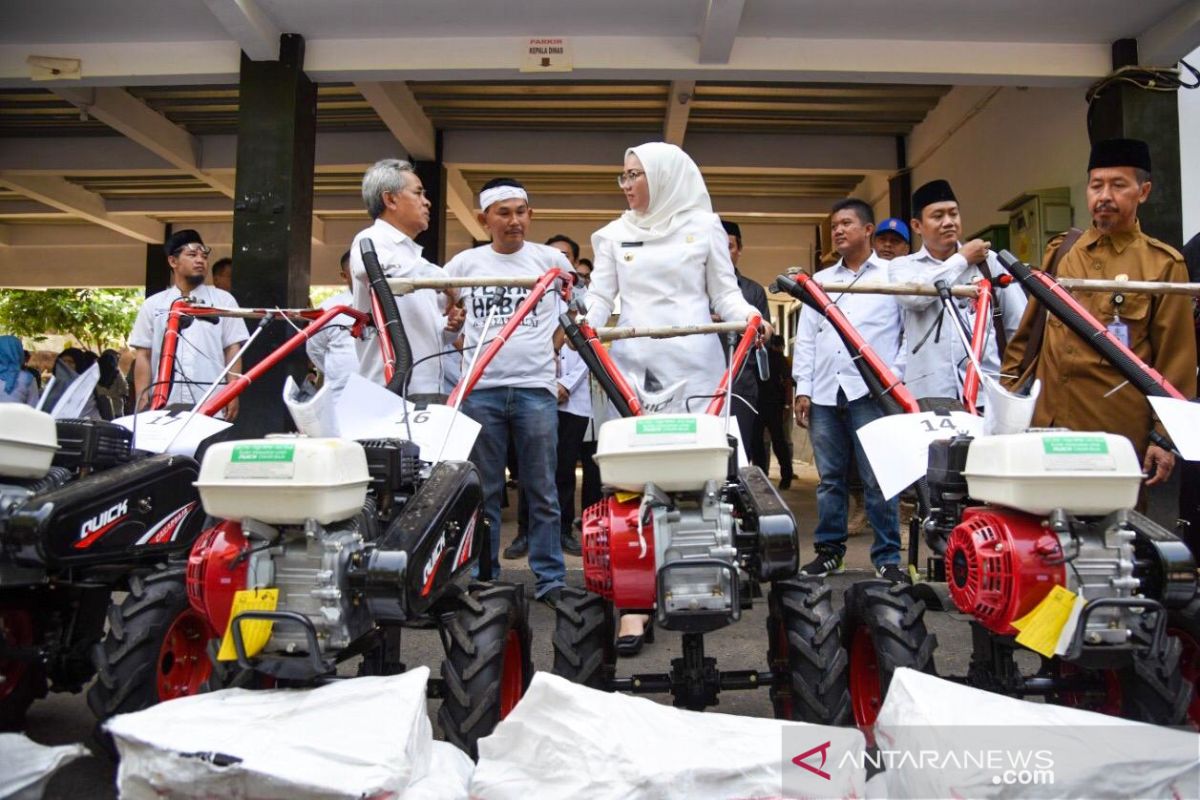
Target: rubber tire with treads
(804, 641)
(1154, 690)
(127, 660)
(1184, 623)
(894, 623)
(476, 637)
(584, 650)
(20, 624)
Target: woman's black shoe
(632, 645)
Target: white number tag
(898, 446)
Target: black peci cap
(1120, 153)
(937, 191)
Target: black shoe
(551, 597)
(519, 547)
(571, 545)
(632, 645)
(894, 573)
(785, 482)
(824, 564)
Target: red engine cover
(214, 573)
(997, 566)
(613, 564)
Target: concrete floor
(62, 719)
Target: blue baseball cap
(895, 226)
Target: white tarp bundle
(367, 737)
(26, 766)
(567, 741)
(942, 739)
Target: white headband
(498, 193)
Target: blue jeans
(532, 416)
(831, 429)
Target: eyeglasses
(628, 177)
(194, 251)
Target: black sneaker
(551, 597)
(824, 564)
(519, 547)
(571, 545)
(894, 573)
(785, 482)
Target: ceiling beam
(461, 203)
(318, 230)
(125, 113)
(396, 105)
(721, 23)
(790, 59)
(679, 102)
(79, 202)
(1171, 38)
(254, 31)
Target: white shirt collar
(924, 255)
(866, 265)
(396, 236)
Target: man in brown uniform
(1079, 390)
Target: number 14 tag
(898, 446)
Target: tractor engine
(667, 538)
(299, 520)
(1060, 515)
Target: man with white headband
(395, 199)
(517, 392)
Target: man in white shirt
(833, 402)
(332, 349)
(395, 199)
(518, 391)
(937, 360)
(205, 345)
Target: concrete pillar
(272, 220)
(1122, 110)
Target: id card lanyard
(1118, 328)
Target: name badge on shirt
(632, 244)
(1119, 330)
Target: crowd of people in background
(671, 260)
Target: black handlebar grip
(1085, 327)
(393, 327)
(594, 365)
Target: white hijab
(677, 196)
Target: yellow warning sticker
(1042, 628)
(255, 632)
(625, 497)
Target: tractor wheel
(21, 682)
(487, 666)
(883, 629)
(583, 639)
(155, 650)
(1154, 688)
(1184, 625)
(804, 643)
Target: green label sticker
(665, 425)
(1075, 445)
(262, 453)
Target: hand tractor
(322, 550)
(1035, 540)
(686, 535)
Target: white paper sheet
(75, 399)
(1182, 421)
(182, 431)
(898, 446)
(367, 410)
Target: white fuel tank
(284, 480)
(1084, 473)
(676, 452)
(28, 440)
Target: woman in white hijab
(667, 258)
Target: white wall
(1189, 154)
(993, 144)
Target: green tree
(96, 318)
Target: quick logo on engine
(102, 523)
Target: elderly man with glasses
(205, 346)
